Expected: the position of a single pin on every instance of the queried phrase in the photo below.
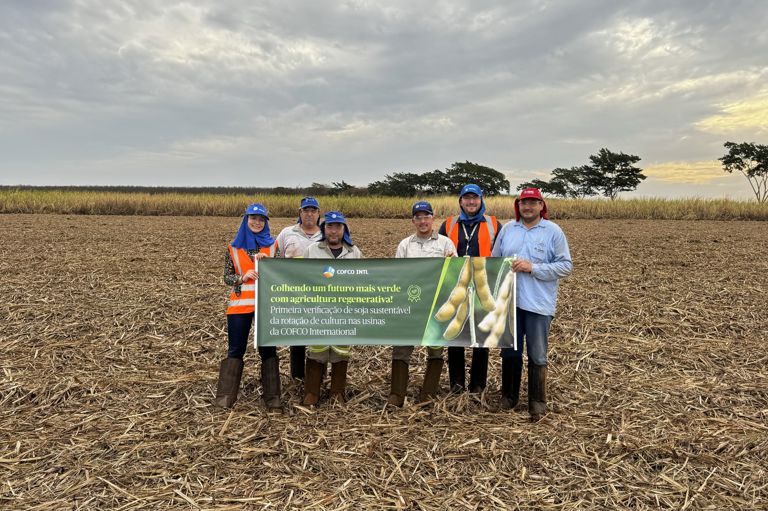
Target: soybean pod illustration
(473, 280)
(496, 320)
(458, 295)
(480, 277)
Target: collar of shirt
(297, 228)
(417, 239)
(542, 223)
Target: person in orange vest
(473, 233)
(252, 242)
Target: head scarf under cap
(336, 217)
(530, 193)
(463, 216)
(246, 238)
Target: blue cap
(309, 202)
(471, 188)
(421, 206)
(335, 217)
(257, 209)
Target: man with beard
(542, 258)
(473, 233)
(335, 243)
(291, 242)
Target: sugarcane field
(112, 329)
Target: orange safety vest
(485, 236)
(244, 303)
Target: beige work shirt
(293, 241)
(320, 250)
(436, 245)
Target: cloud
(749, 114)
(692, 172)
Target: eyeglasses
(422, 218)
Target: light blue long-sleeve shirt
(545, 246)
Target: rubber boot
(478, 372)
(312, 380)
(537, 394)
(399, 385)
(511, 374)
(298, 354)
(431, 386)
(270, 384)
(338, 381)
(230, 372)
(456, 369)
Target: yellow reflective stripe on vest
(247, 287)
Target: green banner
(458, 301)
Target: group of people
(541, 258)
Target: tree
(490, 180)
(341, 188)
(436, 182)
(611, 173)
(404, 184)
(751, 160)
(547, 187)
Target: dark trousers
(533, 332)
(238, 328)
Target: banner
(456, 301)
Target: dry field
(111, 329)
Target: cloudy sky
(267, 93)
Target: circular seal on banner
(414, 293)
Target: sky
(284, 93)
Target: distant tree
(557, 189)
(405, 184)
(611, 173)
(490, 180)
(436, 182)
(751, 160)
(341, 188)
(608, 174)
(318, 189)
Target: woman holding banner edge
(252, 242)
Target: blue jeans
(238, 328)
(533, 329)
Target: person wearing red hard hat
(542, 258)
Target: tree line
(607, 174)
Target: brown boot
(230, 372)
(399, 384)
(338, 380)
(270, 384)
(431, 385)
(537, 394)
(511, 374)
(313, 376)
